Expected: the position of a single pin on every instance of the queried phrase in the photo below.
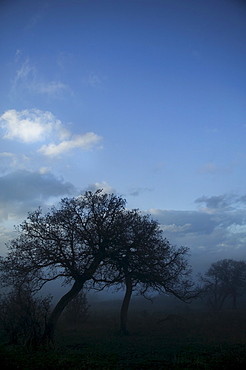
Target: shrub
(23, 316)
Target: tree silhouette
(144, 261)
(68, 243)
(92, 240)
(224, 279)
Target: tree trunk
(234, 300)
(56, 313)
(125, 306)
(222, 301)
(48, 335)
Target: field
(193, 339)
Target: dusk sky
(144, 98)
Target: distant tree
(224, 279)
(70, 243)
(144, 261)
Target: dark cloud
(242, 199)
(22, 190)
(134, 192)
(211, 236)
(186, 221)
(216, 202)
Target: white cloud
(25, 70)
(6, 155)
(94, 80)
(30, 125)
(44, 170)
(176, 229)
(103, 185)
(28, 78)
(85, 142)
(50, 88)
(18, 54)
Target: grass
(194, 340)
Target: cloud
(30, 126)
(211, 236)
(34, 125)
(5, 236)
(176, 229)
(94, 80)
(27, 78)
(242, 199)
(103, 185)
(221, 203)
(10, 160)
(18, 55)
(50, 88)
(15, 161)
(185, 221)
(44, 170)
(213, 203)
(134, 192)
(84, 141)
(22, 191)
(25, 70)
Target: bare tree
(144, 261)
(224, 279)
(93, 239)
(68, 243)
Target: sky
(143, 98)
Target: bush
(23, 316)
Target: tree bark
(50, 326)
(125, 306)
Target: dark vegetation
(93, 242)
(164, 335)
(225, 280)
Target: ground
(195, 339)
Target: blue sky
(145, 98)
